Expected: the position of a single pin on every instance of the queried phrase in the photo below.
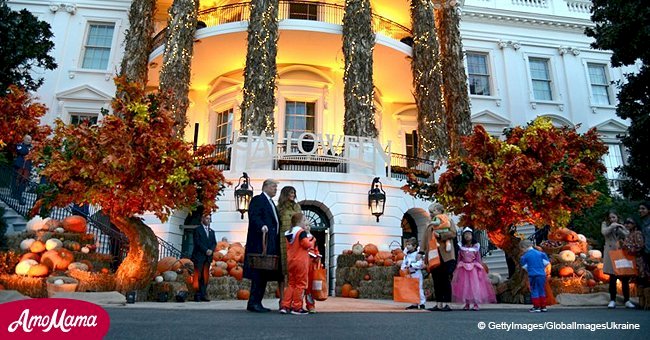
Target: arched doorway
(414, 223)
(320, 219)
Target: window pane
(542, 90)
(477, 64)
(479, 85)
(597, 74)
(600, 94)
(300, 117)
(97, 50)
(224, 127)
(539, 69)
(612, 160)
(478, 74)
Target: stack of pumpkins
(228, 260)
(42, 257)
(572, 260)
(375, 257)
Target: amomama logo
(52, 319)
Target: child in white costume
(414, 263)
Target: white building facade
(524, 58)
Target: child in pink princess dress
(470, 283)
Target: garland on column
(260, 72)
(427, 82)
(358, 45)
(138, 41)
(454, 80)
(175, 73)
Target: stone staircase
(496, 260)
(15, 222)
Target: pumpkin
(361, 264)
(165, 264)
(231, 264)
(26, 244)
(85, 250)
(87, 263)
(345, 290)
(370, 249)
(397, 251)
(59, 230)
(237, 273)
(182, 264)
(31, 256)
(78, 266)
(39, 270)
(37, 223)
(347, 252)
(388, 262)
(221, 245)
(600, 275)
(243, 294)
(217, 256)
(158, 279)
(353, 293)
(384, 255)
(595, 254)
(221, 264)
(37, 247)
(582, 238)
(574, 247)
(236, 254)
(591, 283)
(74, 224)
(567, 256)
(580, 272)
(399, 256)
(57, 259)
(371, 264)
(72, 245)
(170, 276)
(53, 243)
(23, 267)
(370, 259)
(357, 248)
(237, 244)
(366, 277)
(106, 271)
(218, 272)
(380, 263)
(566, 271)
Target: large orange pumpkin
(218, 272)
(57, 259)
(388, 262)
(370, 249)
(345, 290)
(237, 273)
(221, 245)
(599, 275)
(243, 294)
(566, 271)
(182, 264)
(384, 255)
(575, 247)
(31, 256)
(165, 264)
(74, 224)
(354, 293)
(231, 264)
(37, 247)
(39, 270)
(217, 256)
(591, 283)
(399, 256)
(236, 254)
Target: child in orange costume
(299, 241)
(315, 257)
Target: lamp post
(243, 194)
(376, 198)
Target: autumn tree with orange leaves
(539, 174)
(129, 164)
(20, 116)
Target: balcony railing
(403, 165)
(300, 10)
(320, 160)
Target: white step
(15, 222)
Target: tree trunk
(175, 73)
(456, 96)
(260, 71)
(515, 289)
(139, 40)
(139, 266)
(358, 44)
(427, 82)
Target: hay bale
(383, 273)
(374, 289)
(344, 260)
(30, 286)
(342, 276)
(226, 287)
(96, 259)
(93, 282)
(568, 285)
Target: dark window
(411, 141)
(303, 11)
(78, 118)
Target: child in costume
(413, 263)
(315, 258)
(441, 224)
(470, 283)
(534, 262)
(299, 241)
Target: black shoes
(446, 308)
(415, 307)
(257, 309)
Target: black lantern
(376, 198)
(243, 194)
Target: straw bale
(29, 286)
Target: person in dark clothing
(204, 244)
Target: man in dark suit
(262, 219)
(204, 244)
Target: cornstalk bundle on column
(427, 82)
(139, 40)
(358, 44)
(260, 71)
(177, 59)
